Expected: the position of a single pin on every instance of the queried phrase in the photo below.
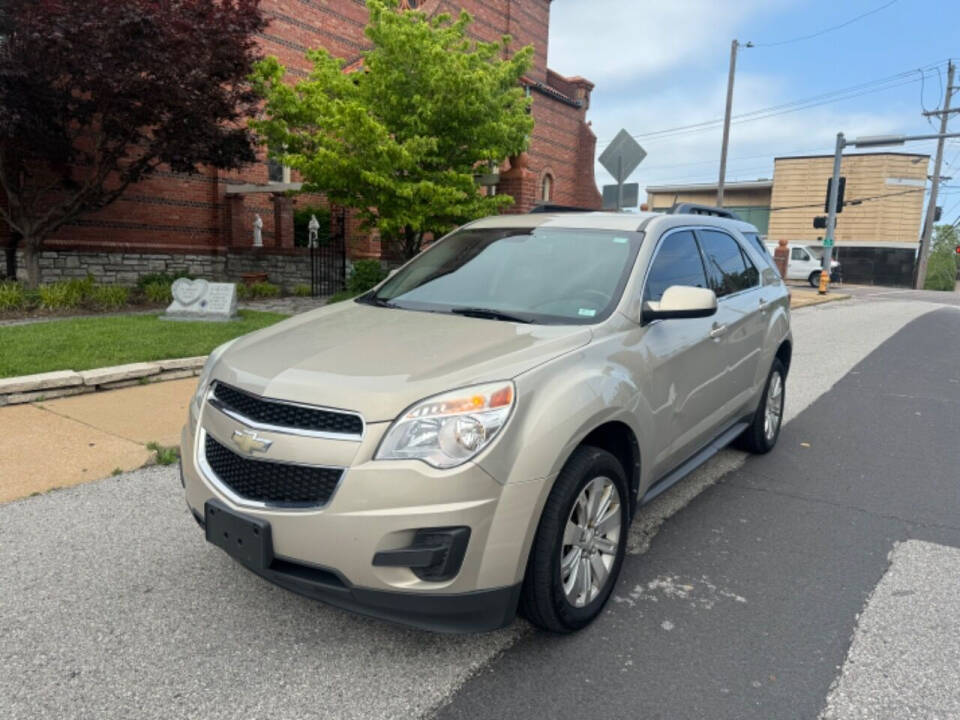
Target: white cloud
(663, 65)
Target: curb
(64, 383)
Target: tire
(814, 278)
(545, 600)
(757, 438)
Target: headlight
(205, 375)
(447, 430)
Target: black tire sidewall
(814, 278)
(762, 410)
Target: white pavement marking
(112, 605)
(905, 658)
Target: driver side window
(799, 254)
(677, 262)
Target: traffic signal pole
(934, 186)
(831, 216)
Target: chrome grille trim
(230, 412)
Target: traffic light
(840, 191)
(937, 214)
(958, 249)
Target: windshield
(816, 251)
(541, 275)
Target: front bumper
(469, 612)
(328, 552)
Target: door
(740, 317)
(801, 264)
(679, 367)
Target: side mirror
(681, 301)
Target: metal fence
(328, 257)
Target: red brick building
(202, 223)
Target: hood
(378, 361)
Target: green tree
(401, 139)
(942, 266)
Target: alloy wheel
(591, 538)
(774, 407)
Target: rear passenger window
(677, 263)
(728, 268)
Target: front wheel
(814, 279)
(579, 546)
(764, 430)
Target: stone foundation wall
(286, 269)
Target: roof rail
(695, 209)
(548, 208)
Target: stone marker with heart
(187, 292)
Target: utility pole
(928, 223)
(831, 216)
(726, 122)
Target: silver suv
(473, 436)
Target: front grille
(268, 482)
(284, 415)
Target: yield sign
(622, 156)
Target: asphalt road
(739, 600)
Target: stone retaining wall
(286, 269)
(64, 383)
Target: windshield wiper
(489, 314)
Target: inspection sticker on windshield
(586, 312)
(621, 241)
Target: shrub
(264, 290)
(12, 296)
(60, 295)
(161, 278)
(83, 288)
(301, 290)
(243, 291)
(340, 297)
(158, 291)
(110, 297)
(365, 274)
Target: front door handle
(717, 331)
(763, 305)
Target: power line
(855, 201)
(878, 85)
(829, 29)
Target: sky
(664, 64)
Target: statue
(313, 227)
(257, 231)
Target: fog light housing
(435, 555)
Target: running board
(671, 479)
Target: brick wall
(191, 214)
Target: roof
(707, 187)
(582, 220)
(850, 154)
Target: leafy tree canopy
(97, 95)
(401, 138)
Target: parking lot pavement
(112, 605)
(904, 663)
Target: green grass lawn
(85, 343)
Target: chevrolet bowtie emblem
(249, 442)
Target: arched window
(546, 188)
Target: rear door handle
(717, 331)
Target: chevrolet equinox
(472, 437)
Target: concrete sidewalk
(58, 443)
